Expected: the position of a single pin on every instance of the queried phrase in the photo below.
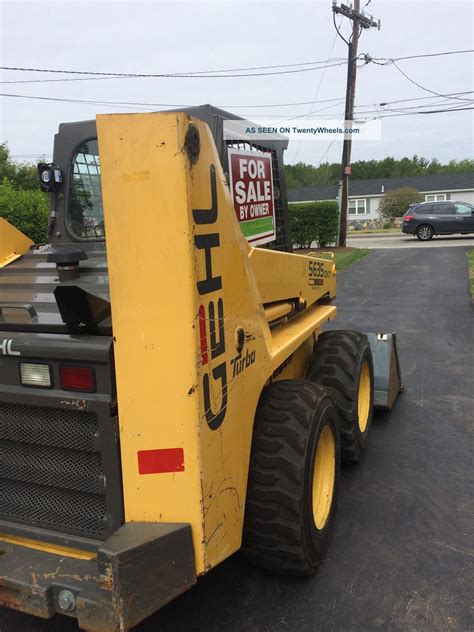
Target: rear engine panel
(60, 467)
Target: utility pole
(360, 20)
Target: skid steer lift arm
(201, 323)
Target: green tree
(395, 203)
(22, 175)
(27, 210)
(300, 175)
(303, 174)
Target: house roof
(378, 186)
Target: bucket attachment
(13, 243)
(387, 377)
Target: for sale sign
(251, 183)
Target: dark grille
(51, 474)
(48, 426)
(92, 247)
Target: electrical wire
(218, 73)
(442, 103)
(383, 103)
(187, 75)
(338, 29)
(423, 112)
(144, 76)
(316, 93)
(145, 106)
(83, 101)
(423, 87)
(448, 52)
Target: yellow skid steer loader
(166, 394)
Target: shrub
(314, 221)
(395, 203)
(27, 210)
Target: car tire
(424, 232)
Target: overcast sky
(156, 37)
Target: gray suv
(438, 218)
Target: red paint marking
(160, 461)
(203, 335)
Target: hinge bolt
(66, 600)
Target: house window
(358, 207)
(435, 197)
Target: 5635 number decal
(317, 273)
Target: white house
(365, 195)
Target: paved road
(402, 555)
(399, 240)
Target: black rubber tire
(418, 232)
(280, 533)
(336, 364)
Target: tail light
(77, 378)
(408, 218)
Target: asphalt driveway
(402, 556)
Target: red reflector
(408, 218)
(77, 378)
(160, 461)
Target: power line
(338, 29)
(273, 105)
(296, 67)
(83, 101)
(458, 109)
(145, 105)
(327, 150)
(187, 75)
(133, 105)
(317, 92)
(423, 87)
(112, 76)
(383, 103)
(448, 52)
(233, 105)
(191, 72)
(442, 103)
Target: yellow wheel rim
(323, 476)
(363, 407)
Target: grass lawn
(470, 265)
(344, 256)
(345, 259)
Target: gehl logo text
(6, 348)
(212, 311)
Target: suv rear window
(423, 209)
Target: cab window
(85, 214)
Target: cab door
(464, 217)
